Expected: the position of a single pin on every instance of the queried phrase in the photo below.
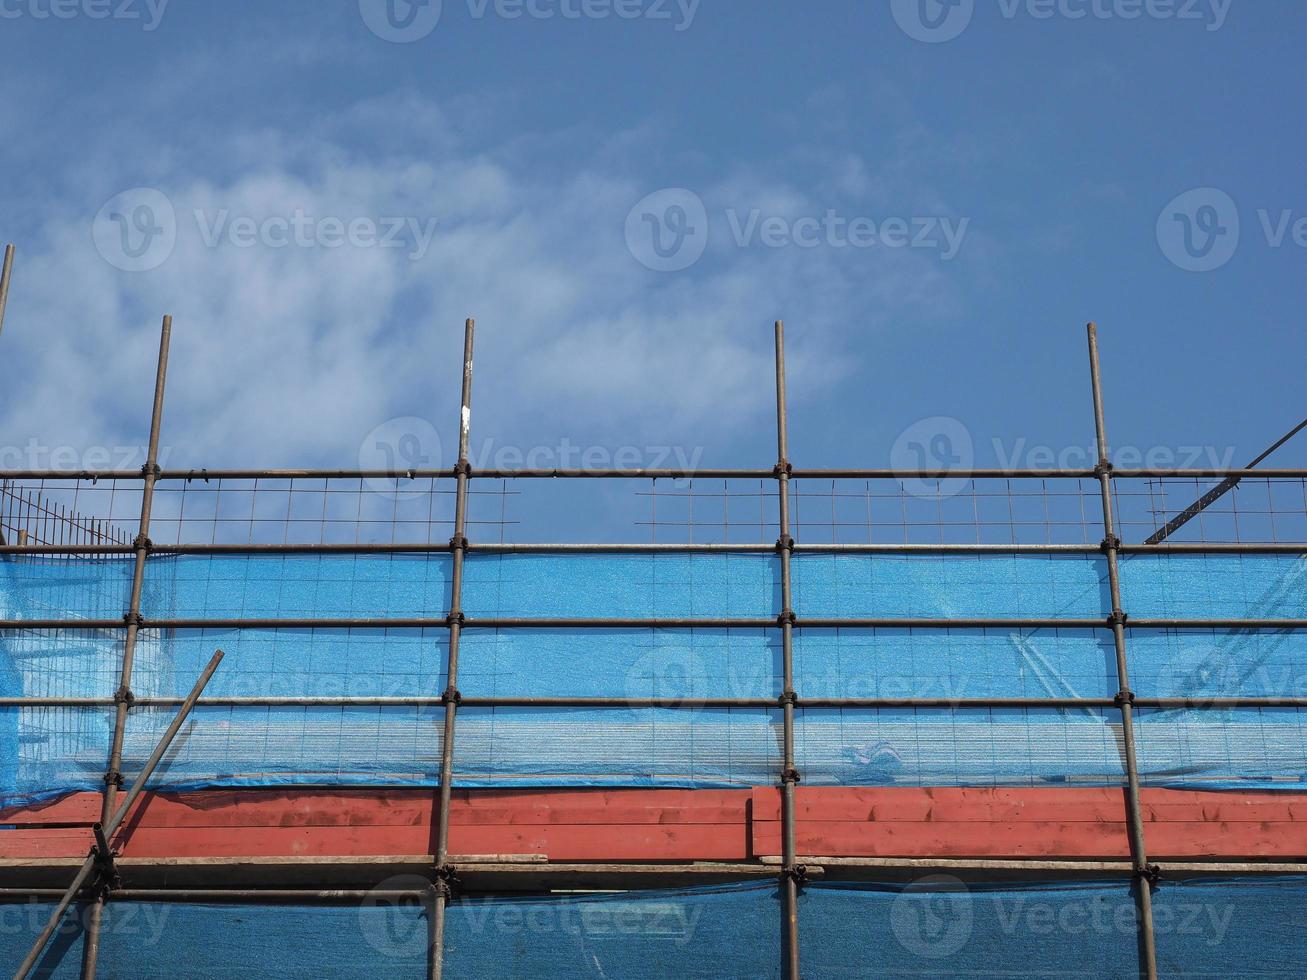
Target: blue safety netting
(934, 926)
(48, 751)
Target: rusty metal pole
(4, 283)
(458, 546)
(123, 696)
(1144, 873)
(790, 871)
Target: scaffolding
(444, 880)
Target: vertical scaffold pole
(113, 778)
(1144, 874)
(790, 870)
(445, 873)
(4, 283)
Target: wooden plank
(638, 825)
(959, 839)
(580, 843)
(45, 842)
(982, 805)
(392, 807)
(1042, 822)
(75, 808)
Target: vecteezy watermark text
(300, 229)
(143, 922)
(409, 443)
(938, 446)
(36, 455)
(668, 230)
(936, 21)
(137, 230)
(834, 230)
(406, 21)
(147, 13)
(934, 917)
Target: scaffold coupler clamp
(106, 869)
(798, 873)
(1124, 697)
(1109, 543)
(790, 775)
(114, 778)
(1103, 468)
(787, 618)
(785, 543)
(151, 469)
(142, 543)
(1117, 618)
(123, 695)
(455, 619)
(134, 619)
(783, 468)
(788, 697)
(1151, 873)
(458, 543)
(447, 881)
(451, 695)
(462, 468)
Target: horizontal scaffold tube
(656, 474)
(687, 703)
(621, 622)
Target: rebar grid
(992, 512)
(28, 516)
(255, 513)
(785, 478)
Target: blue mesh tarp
(1237, 927)
(937, 926)
(682, 743)
(934, 926)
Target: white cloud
(290, 355)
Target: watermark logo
(932, 21)
(932, 917)
(1202, 674)
(400, 445)
(395, 926)
(1198, 231)
(938, 445)
(136, 230)
(673, 676)
(400, 21)
(667, 230)
(405, 21)
(935, 21)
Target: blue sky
(934, 211)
